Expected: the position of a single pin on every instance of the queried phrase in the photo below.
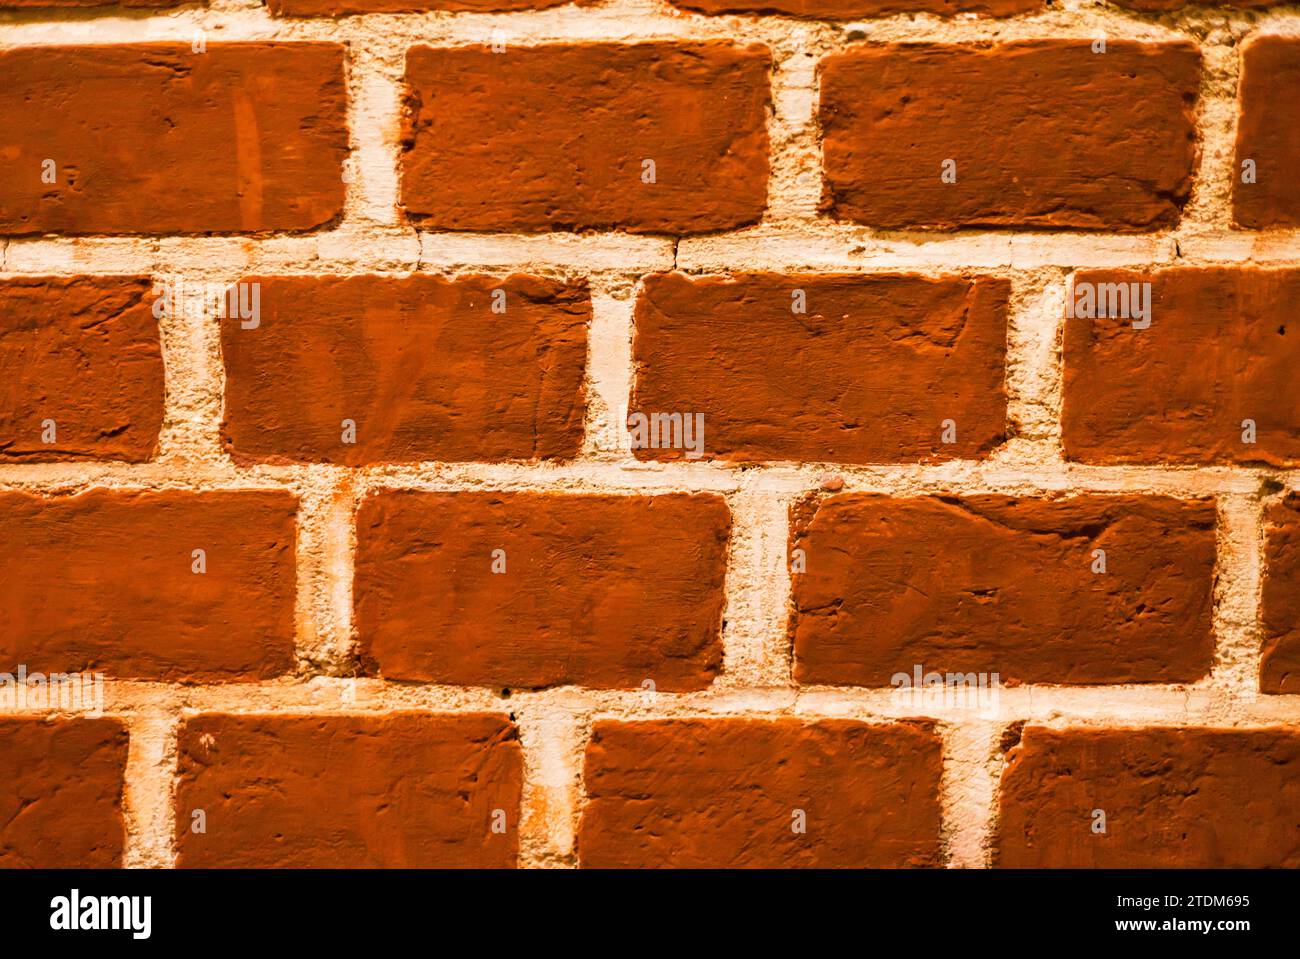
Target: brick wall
(977, 322)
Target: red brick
(154, 138)
(61, 793)
(422, 365)
(103, 581)
(84, 353)
(996, 584)
(598, 590)
(1269, 102)
(869, 374)
(1221, 348)
(1045, 134)
(1172, 798)
(853, 9)
(1280, 662)
(708, 793)
(542, 138)
(400, 790)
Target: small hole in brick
(505, 693)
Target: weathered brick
(728, 793)
(400, 790)
(1267, 134)
(1172, 798)
(1005, 585)
(1280, 657)
(105, 581)
(876, 368)
(1044, 134)
(61, 793)
(81, 370)
(423, 368)
(158, 138)
(1221, 349)
(523, 589)
(557, 137)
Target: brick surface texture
(747, 434)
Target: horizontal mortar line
(611, 251)
(839, 245)
(597, 475)
(614, 22)
(1154, 704)
(802, 246)
(790, 478)
(1195, 15)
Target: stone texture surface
(1173, 798)
(83, 352)
(555, 137)
(1280, 653)
(601, 591)
(993, 584)
(1267, 132)
(403, 790)
(739, 793)
(155, 138)
(61, 793)
(869, 373)
(1044, 133)
(1222, 347)
(103, 581)
(423, 366)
